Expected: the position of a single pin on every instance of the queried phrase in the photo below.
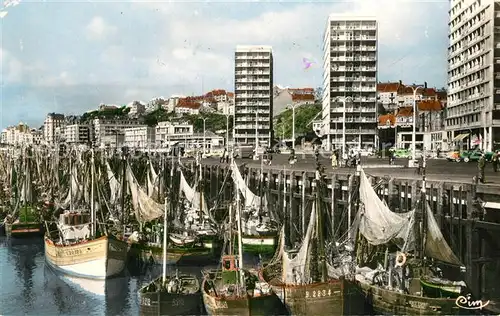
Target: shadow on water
(22, 256)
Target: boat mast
(240, 244)
(200, 187)
(71, 175)
(92, 204)
(124, 175)
(423, 200)
(165, 235)
(319, 230)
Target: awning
(493, 205)
(460, 137)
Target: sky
(68, 57)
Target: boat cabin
(230, 269)
(74, 226)
(74, 218)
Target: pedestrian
(494, 160)
(316, 154)
(223, 157)
(334, 160)
(420, 168)
(481, 165)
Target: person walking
(334, 160)
(481, 164)
(494, 160)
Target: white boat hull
(260, 241)
(182, 240)
(100, 259)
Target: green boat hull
(24, 230)
(153, 254)
(440, 291)
(264, 245)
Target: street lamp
(204, 133)
(414, 133)
(293, 106)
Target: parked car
(474, 155)
(453, 156)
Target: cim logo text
(465, 302)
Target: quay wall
(471, 229)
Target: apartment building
(169, 135)
(52, 122)
(110, 127)
(253, 86)
(77, 134)
(473, 107)
(140, 137)
(18, 135)
(350, 79)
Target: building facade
(473, 107)
(350, 78)
(19, 135)
(77, 134)
(253, 89)
(52, 122)
(110, 127)
(140, 137)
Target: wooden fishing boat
(390, 302)
(232, 290)
(224, 293)
(391, 290)
(27, 225)
(152, 253)
(258, 237)
(75, 253)
(76, 249)
(319, 298)
(177, 295)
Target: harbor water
(29, 287)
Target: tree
(304, 114)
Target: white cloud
(98, 29)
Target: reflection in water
(23, 257)
(30, 288)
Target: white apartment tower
(50, 125)
(253, 86)
(350, 79)
(473, 115)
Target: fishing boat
(260, 236)
(28, 224)
(76, 249)
(303, 278)
(409, 282)
(170, 294)
(232, 290)
(25, 221)
(146, 247)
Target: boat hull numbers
(72, 252)
(318, 293)
(220, 304)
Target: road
(436, 169)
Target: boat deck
(493, 307)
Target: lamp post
(414, 133)
(293, 106)
(204, 134)
(227, 133)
